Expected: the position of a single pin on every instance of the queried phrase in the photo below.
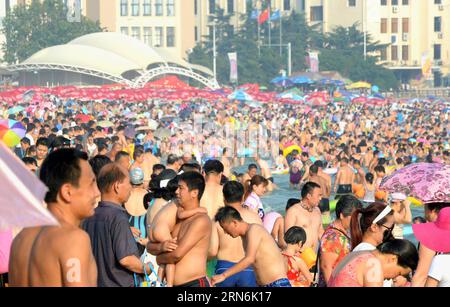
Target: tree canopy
(341, 50)
(41, 24)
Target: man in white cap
(402, 213)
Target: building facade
(415, 30)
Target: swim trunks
(198, 283)
(324, 205)
(295, 178)
(245, 278)
(344, 189)
(280, 283)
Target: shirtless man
(189, 248)
(266, 173)
(226, 164)
(252, 171)
(324, 204)
(59, 256)
(228, 250)
(344, 179)
(147, 166)
(306, 214)
(212, 199)
(261, 251)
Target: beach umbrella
(15, 110)
(282, 81)
(84, 118)
(359, 85)
(11, 132)
(290, 96)
(162, 133)
(302, 80)
(428, 182)
(105, 124)
(241, 96)
(21, 194)
(153, 124)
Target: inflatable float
(290, 149)
(281, 171)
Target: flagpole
(281, 34)
(259, 36)
(270, 24)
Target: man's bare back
(344, 176)
(269, 263)
(326, 190)
(193, 235)
(231, 249)
(52, 257)
(212, 198)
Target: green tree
(343, 51)
(30, 28)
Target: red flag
(264, 16)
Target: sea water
(277, 200)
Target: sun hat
(435, 236)
(137, 176)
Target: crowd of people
(145, 204)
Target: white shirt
(440, 270)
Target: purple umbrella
(428, 182)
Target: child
(298, 272)
(161, 231)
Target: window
(405, 2)
(158, 8)
(136, 32)
(170, 32)
(394, 53)
(383, 23)
(383, 2)
(405, 53)
(195, 7)
(437, 52)
(196, 34)
(123, 7)
(316, 13)
(148, 36)
(383, 54)
(405, 25)
(135, 7)
(437, 24)
(158, 37)
(124, 30)
(437, 1)
(394, 2)
(147, 7)
(212, 6)
(287, 5)
(394, 26)
(170, 7)
(230, 6)
(351, 3)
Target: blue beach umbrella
(302, 80)
(241, 96)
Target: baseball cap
(137, 176)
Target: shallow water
(276, 200)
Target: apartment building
(414, 29)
